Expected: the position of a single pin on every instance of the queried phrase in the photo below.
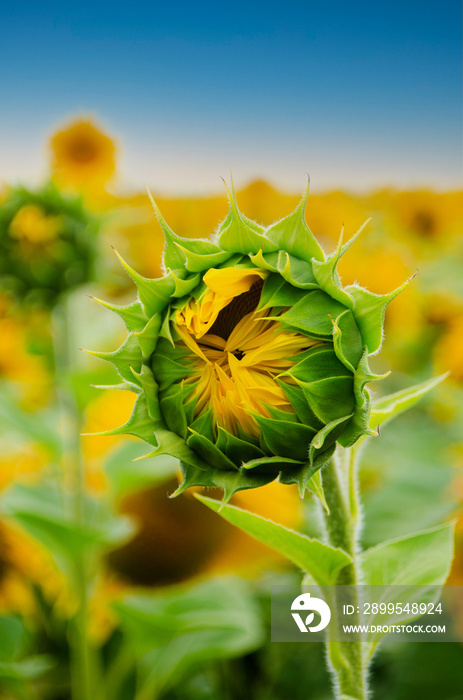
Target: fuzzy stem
(347, 659)
(74, 489)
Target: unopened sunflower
(47, 243)
(249, 358)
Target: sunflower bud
(249, 358)
(47, 243)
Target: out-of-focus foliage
(411, 478)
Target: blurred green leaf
(42, 513)
(169, 633)
(39, 427)
(11, 637)
(320, 560)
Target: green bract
(323, 382)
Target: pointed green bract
(327, 399)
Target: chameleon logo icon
(307, 602)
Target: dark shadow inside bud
(237, 309)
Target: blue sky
(359, 94)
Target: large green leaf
(406, 570)
(171, 632)
(422, 559)
(320, 560)
(390, 406)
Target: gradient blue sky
(359, 94)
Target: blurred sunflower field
(110, 589)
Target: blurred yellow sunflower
(83, 156)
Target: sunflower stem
(74, 496)
(347, 660)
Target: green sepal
(132, 314)
(169, 364)
(326, 438)
(286, 439)
(312, 314)
(276, 292)
(204, 425)
(297, 272)
(300, 405)
(209, 452)
(369, 311)
(271, 465)
(172, 257)
(347, 340)
(265, 262)
(148, 336)
(140, 424)
(319, 363)
(201, 255)
(169, 443)
(364, 375)
(166, 331)
(293, 234)
(237, 235)
(237, 450)
(230, 482)
(358, 425)
(330, 398)
(302, 475)
(154, 294)
(172, 403)
(184, 286)
(327, 276)
(150, 390)
(127, 357)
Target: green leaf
(410, 570)
(386, 408)
(314, 484)
(41, 512)
(421, 559)
(41, 427)
(319, 559)
(171, 632)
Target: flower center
(236, 365)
